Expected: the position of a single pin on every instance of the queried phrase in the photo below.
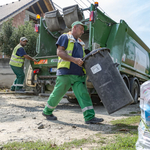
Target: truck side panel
(129, 51)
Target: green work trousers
(18, 83)
(63, 84)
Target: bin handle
(83, 59)
(100, 49)
(95, 52)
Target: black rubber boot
(49, 117)
(94, 120)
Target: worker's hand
(78, 61)
(35, 60)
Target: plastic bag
(143, 142)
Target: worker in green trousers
(17, 63)
(70, 73)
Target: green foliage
(120, 142)
(6, 45)
(10, 36)
(39, 145)
(127, 121)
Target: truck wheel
(32, 78)
(134, 89)
(95, 100)
(39, 89)
(72, 100)
(126, 80)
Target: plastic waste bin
(106, 79)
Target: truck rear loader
(126, 49)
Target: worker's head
(78, 29)
(23, 41)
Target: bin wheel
(72, 100)
(126, 80)
(134, 89)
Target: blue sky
(135, 13)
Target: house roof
(35, 6)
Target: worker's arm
(29, 57)
(62, 54)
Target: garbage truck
(127, 50)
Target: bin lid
(93, 52)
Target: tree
(6, 45)
(10, 36)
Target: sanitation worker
(70, 73)
(17, 62)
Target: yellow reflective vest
(15, 60)
(66, 64)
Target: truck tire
(134, 89)
(39, 89)
(126, 80)
(32, 78)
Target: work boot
(49, 117)
(12, 88)
(94, 120)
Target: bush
(10, 36)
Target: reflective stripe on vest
(87, 108)
(66, 64)
(51, 107)
(17, 57)
(15, 60)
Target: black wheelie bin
(106, 79)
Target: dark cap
(23, 39)
(78, 22)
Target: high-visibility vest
(15, 60)
(66, 64)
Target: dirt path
(21, 120)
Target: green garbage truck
(126, 49)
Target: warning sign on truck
(42, 61)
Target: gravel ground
(21, 120)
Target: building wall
(29, 15)
(22, 17)
(6, 74)
(19, 19)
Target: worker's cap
(23, 39)
(78, 22)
